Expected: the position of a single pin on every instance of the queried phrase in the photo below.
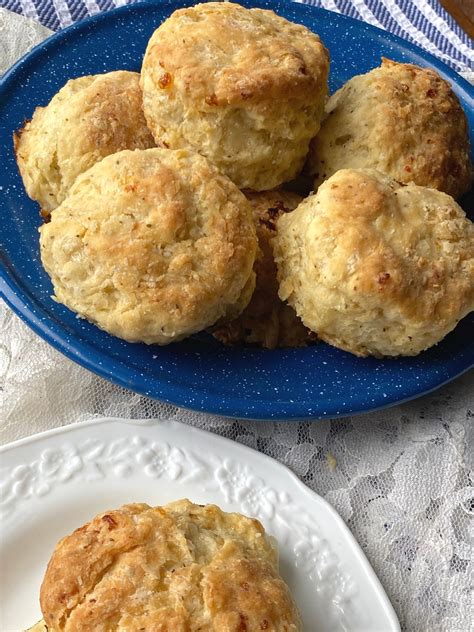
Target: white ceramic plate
(54, 482)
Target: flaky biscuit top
(167, 569)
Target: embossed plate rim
(328, 532)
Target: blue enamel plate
(200, 373)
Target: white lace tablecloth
(402, 478)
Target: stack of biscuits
(171, 205)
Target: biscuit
(267, 321)
(151, 245)
(400, 119)
(375, 267)
(178, 567)
(39, 627)
(88, 119)
(245, 88)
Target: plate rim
(94, 359)
(262, 409)
(221, 442)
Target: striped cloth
(423, 22)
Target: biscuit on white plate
(151, 245)
(400, 119)
(375, 267)
(267, 321)
(88, 119)
(177, 567)
(244, 87)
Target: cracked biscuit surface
(375, 267)
(88, 119)
(400, 119)
(167, 569)
(267, 321)
(151, 245)
(246, 88)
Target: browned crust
(267, 321)
(265, 56)
(17, 137)
(178, 567)
(401, 119)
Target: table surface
(463, 12)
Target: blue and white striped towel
(423, 22)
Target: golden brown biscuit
(40, 627)
(172, 568)
(400, 119)
(151, 245)
(89, 118)
(245, 88)
(375, 267)
(267, 321)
